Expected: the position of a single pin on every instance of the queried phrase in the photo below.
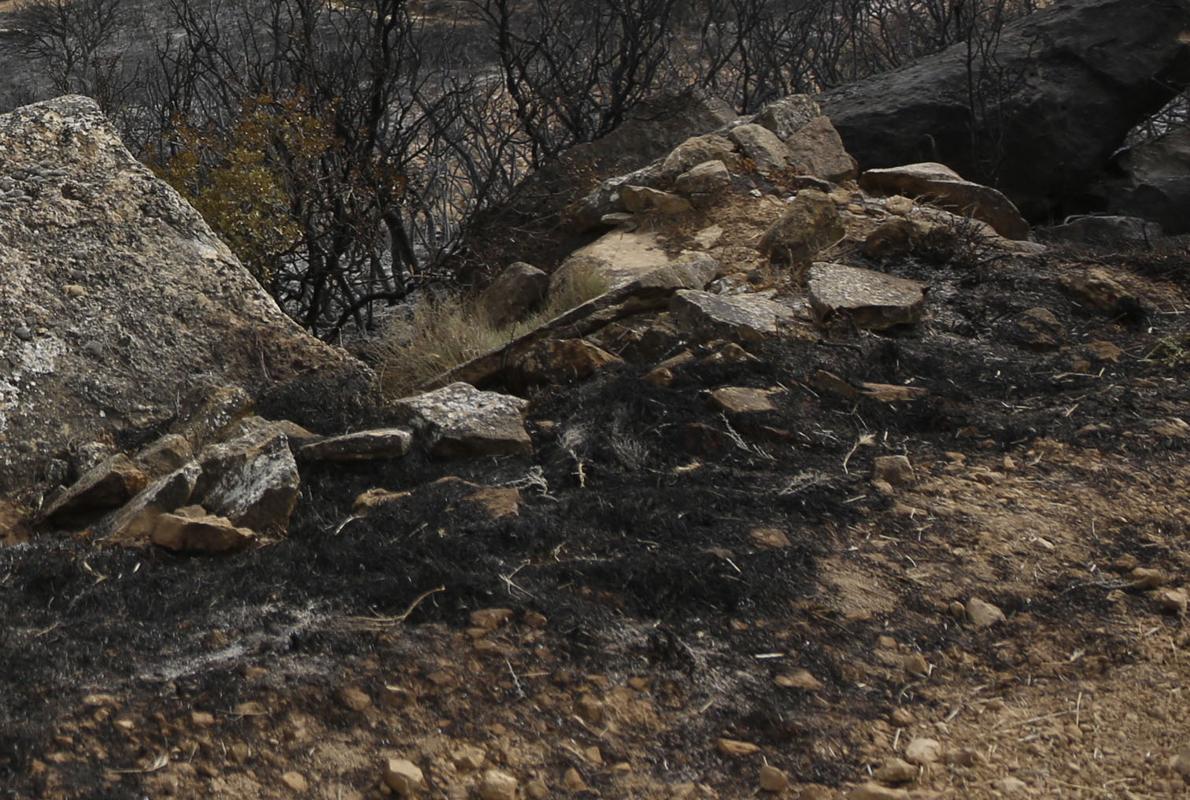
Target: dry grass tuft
(449, 330)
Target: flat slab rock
(870, 299)
(459, 419)
(746, 317)
(359, 446)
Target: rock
(1036, 329)
(810, 225)
(497, 785)
(1173, 601)
(899, 205)
(762, 146)
(889, 393)
(573, 780)
(193, 530)
(1107, 63)
(799, 679)
(770, 538)
(737, 317)
(1098, 289)
(514, 293)
(157, 288)
(901, 717)
(616, 259)
(133, 522)
(923, 751)
(403, 777)
(643, 200)
(894, 238)
(983, 614)
(561, 361)
(297, 436)
(744, 400)
(915, 664)
(1181, 764)
(943, 187)
(787, 116)
(165, 455)
(734, 747)
(704, 183)
(894, 771)
(252, 480)
(772, 779)
(869, 299)
(698, 150)
(497, 502)
(1009, 785)
(210, 412)
(296, 782)
(874, 791)
(1104, 352)
(1144, 578)
(817, 149)
(107, 486)
(381, 443)
(1154, 183)
(459, 419)
(490, 618)
(893, 470)
(1102, 230)
(469, 757)
(591, 709)
(354, 698)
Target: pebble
(874, 791)
(497, 785)
(773, 779)
(1011, 785)
(734, 747)
(923, 751)
(573, 781)
(901, 717)
(894, 470)
(1173, 601)
(1181, 764)
(354, 698)
(469, 757)
(490, 618)
(983, 614)
(895, 771)
(403, 777)
(295, 781)
(1146, 578)
(915, 664)
(590, 709)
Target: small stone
(895, 771)
(469, 757)
(1181, 764)
(983, 614)
(894, 470)
(901, 717)
(743, 400)
(459, 419)
(1144, 578)
(871, 300)
(360, 446)
(74, 290)
(1011, 785)
(734, 747)
(296, 782)
(192, 530)
(923, 751)
(537, 790)
(354, 698)
(1173, 601)
(202, 719)
(899, 205)
(403, 777)
(874, 791)
(769, 538)
(773, 779)
(490, 618)
(799, 679)
(573, 781)
(590, 708)
(1105, 352)
(497, 785)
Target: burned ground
(632, 575)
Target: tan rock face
(762, 146)
(870, 299)
(107, 486)
(817, 149)
(810, 225)
(193, 530)
(946, 188)
(161, 297)
(514, 293)
(253, 480)
(461, 420)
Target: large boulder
(1155, 182)
(117, 298)
(1078, 76)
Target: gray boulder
(516, 291)
(1156, 181)
(1078, 77)
(117, 297)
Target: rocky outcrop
(1076, 77)
(117, 299)
(1155, 182)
